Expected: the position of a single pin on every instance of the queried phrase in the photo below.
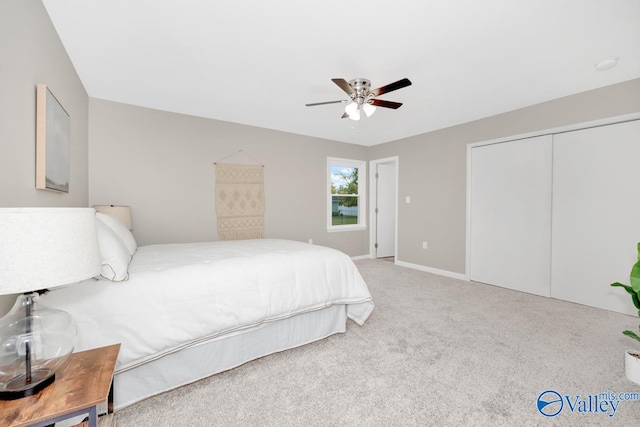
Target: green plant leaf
(627, 288)
(632, 335)
(635, 297)
(634, 291)
(635, 273)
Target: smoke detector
(606, 64)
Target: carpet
(436, 351)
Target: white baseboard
(433, 270)
(445, 273)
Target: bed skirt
(223, 353)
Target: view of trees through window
(344, 195)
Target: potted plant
(632, 358)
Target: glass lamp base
(34, 339)
(18, 387)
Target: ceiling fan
(362, 98)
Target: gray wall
(31, 53)
(162, 165)
(433, 169)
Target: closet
(557, 215)
(511, 214)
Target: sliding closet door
(510, 214)
(596, 214)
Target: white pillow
(120, 230)
(115, 255)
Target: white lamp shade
(121, 213)
(43, 248)
(368, 109)
(352, 110)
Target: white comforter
(180, 294)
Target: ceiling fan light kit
(363, 98)
(353, 111)
(368, 109)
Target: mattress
(179, 295)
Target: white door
(510, 214)
(385, 209)
(596, 214)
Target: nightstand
(85, 383)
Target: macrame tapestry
(240, 201)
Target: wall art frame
(53, 142)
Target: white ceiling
(257, 62)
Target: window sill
(346, 228)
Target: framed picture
(52, 142)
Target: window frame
(361, 196)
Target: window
(346, 201)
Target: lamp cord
(27, 356)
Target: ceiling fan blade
(391, 87)
(325, 103)
(385, 104)
(342, 84)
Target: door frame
(373, 188)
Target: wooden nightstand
(85, 383)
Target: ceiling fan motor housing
(361, 88)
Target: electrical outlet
(424, 245)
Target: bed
(183, 312)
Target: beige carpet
(435, 352)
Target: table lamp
(40, 249)
(119, 212)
